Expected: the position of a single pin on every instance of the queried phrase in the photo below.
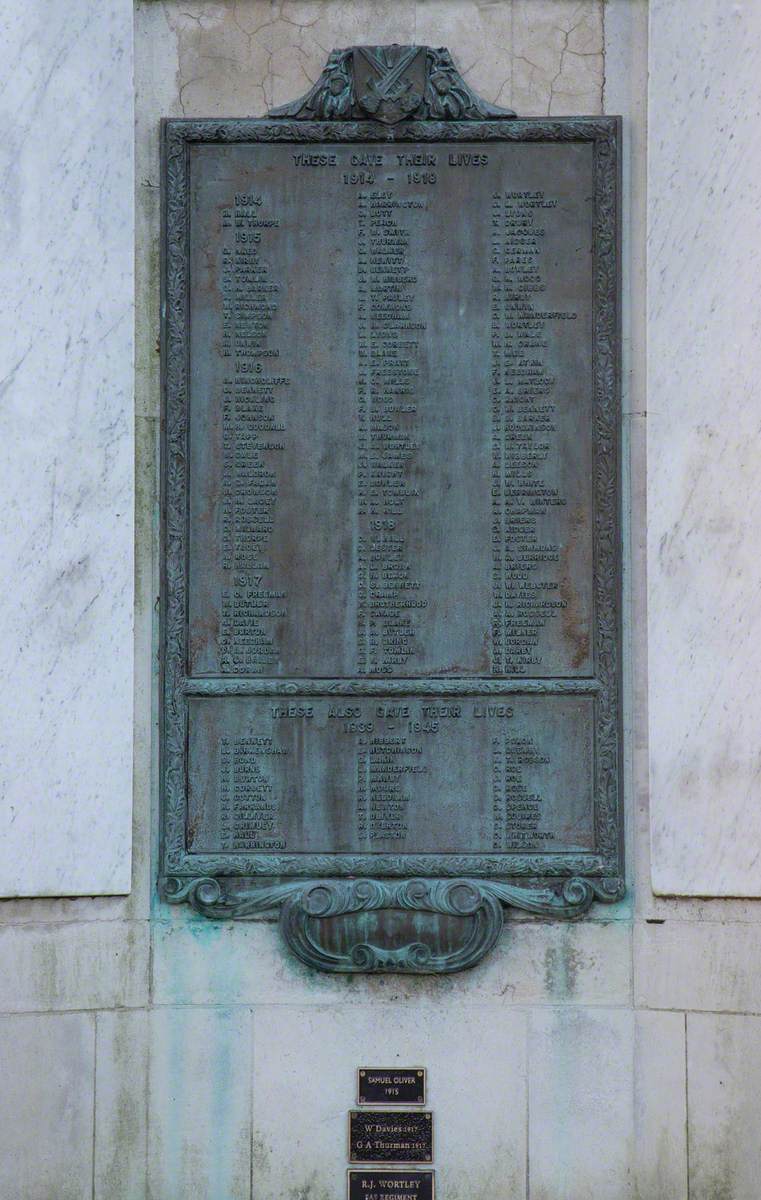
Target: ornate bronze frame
(414, 94)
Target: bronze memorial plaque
(390, 1185)
(391, 1085)
(391, 617)
(400, 1137)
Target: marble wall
(66, 448)
(154, 1055)
(704, 503)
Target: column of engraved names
(389, 592)
(250, 813)
(530, 586)
(517, 803)
(252, 438)
(497, 479)
(396, 758)
(363, 436)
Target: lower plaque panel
(391, 774)
(391, 1185)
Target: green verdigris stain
(202, 961)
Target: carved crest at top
(391, 84)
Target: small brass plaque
(391, 1185)
(391, 1085)
(403, 1137)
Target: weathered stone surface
(710, 965)
(305, 1059)
(46, 1106)
(92, 964)
(557, 57)
(543, 57)
(724, 1071)
(243, 963)
(199, 1115)
(607, 1105)
(660, 1107)
(581, 1125)
(121, 1105)
(588, 964)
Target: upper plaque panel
(391, 409)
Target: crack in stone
(564, 51)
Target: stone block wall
(148, 1054)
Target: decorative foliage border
(391, 687)
(190, 877)
(305, 906)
